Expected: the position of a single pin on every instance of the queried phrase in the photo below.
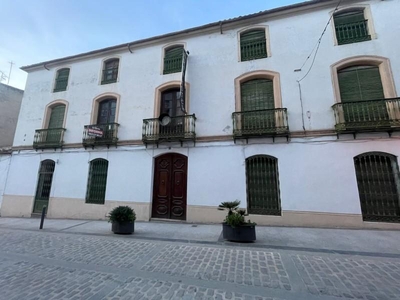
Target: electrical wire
(316, 47)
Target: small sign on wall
(95, 131)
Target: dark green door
(360, 88)
(44, 185)
(56, 122)
(258, 104)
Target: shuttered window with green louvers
(359, 86)
(351, 27)
(61, 80)
(253, 45)
(173, 60)
(97, 181)
(257, 99)
(262, 181)
(56, 122)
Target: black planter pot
(123, 228)
(245, 233)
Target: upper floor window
(173, 59)
(110, 71)
(253, 45)
(351, 26)
(61, 80)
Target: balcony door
(170, 104)
(258, 104)
(106, 118)
(169, 190)
(360, 87)
(56, 123)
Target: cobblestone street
(58, 265)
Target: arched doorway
(170, 187)
(44, 185)
(378, 186)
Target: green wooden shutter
(97, 181)
(56, 122)
(257, 98)
(257, 94)
(57, 117)
(173, 60)
(61, 80)
(253, 45)
(360, 84)
(262, 182)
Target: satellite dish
(164, 119)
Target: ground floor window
(378, 186)
(97, 181)
(43, 188)
(262, 182)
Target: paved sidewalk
(75, 259)
(366, 242)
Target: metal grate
(181, 128)
(107, 134)
(262, 180)
(253, 45)
(44, 185)
(378, 186)
(97, 181)
(358, 116)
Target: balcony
(179, 129)
(253, 49)
(100, 134)
(367, 116)
(48, 138)
(260, 123)
(352, 32)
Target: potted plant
(234, 227)
(122, 219)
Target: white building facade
(10, 103)
(311, 145)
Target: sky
(33, 31)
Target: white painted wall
(316, 176)
(4, 165)
(213, 66)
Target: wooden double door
(170, 187)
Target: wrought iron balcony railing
(172, 64)
(260, 123)
(253, 49)
(352, 32)
(61, 85)
(179, 129)
(110, 75)
(372, 115)
(100, 134)
(48, 138)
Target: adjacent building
(295, 118)
(10, 103)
